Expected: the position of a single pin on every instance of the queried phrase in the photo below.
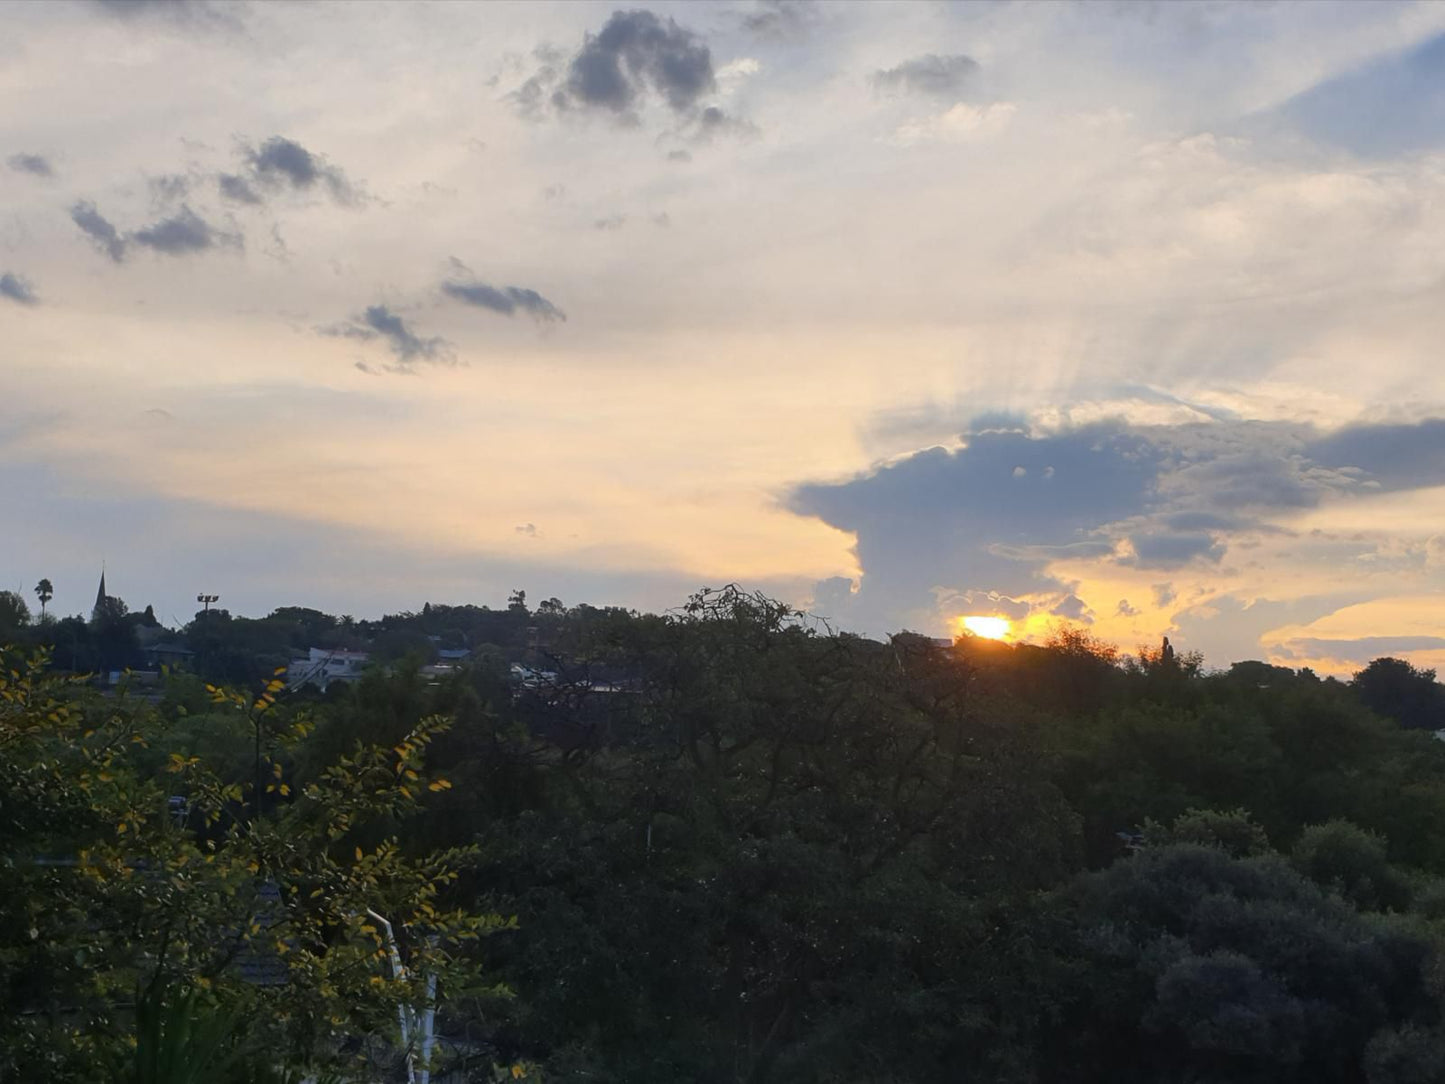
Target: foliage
(14, 614)
(742, 848)
(1398, 691)
(1233, 831)
(1188, 963)
(123, 879)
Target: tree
(1185, 963)
(1395, 689)
(113, 635)
(776, 856)
(1343, 857)
(14, 615)
(45, 592)
(128, 885)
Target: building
(322, 666)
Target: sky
(1121, 315)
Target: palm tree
(45, 592)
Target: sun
(987, 628)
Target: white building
(323, 666)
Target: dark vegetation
(737, 847)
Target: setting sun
(989, 628)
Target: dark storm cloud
(34, 164)
(16, 288)
(99, 229)
(182, 234)
(379, 323)
(237, 189)
(940, 76)
(507, 300)
(281, 163)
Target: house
(168, 653)
(323, 665)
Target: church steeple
(99, 596)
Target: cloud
(712, 123)
(34, 164)
(1013, 500)
(939, 76)
(963, 121)
(169, 187)
(182, 234)
(1172, 550)
(378, 322)
(635, 59)
(1359, 650)
(634, 52)
(781, 20)
(194, 12)
(1390, 457)
(506, 300)
(99, 229)
(17, 288)
(1072, 608)
(280, 163)
(236, 188)
(965, 519)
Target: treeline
(741, 848)
(226, 648)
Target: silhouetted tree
(14, 615)
(45, 592)
(1395, 689)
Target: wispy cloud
(236, 188)
(940, 76)
(181, 234)
(99, 229)
(34, 164)
(506, 300)
(379, 323)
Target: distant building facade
(322, 666)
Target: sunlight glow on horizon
(986, 627)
